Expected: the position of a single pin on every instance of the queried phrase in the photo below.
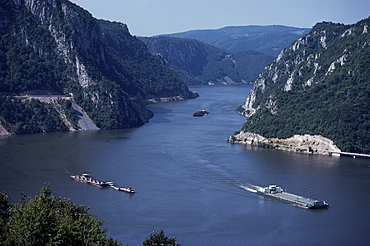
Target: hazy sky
(152, 17)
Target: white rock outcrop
(311, 144)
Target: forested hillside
(319, 85)
(57, 47)
(199, 63)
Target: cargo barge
(87, 179)
(277, 192)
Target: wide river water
(191, 183)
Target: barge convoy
(87, 179)
(277, 192)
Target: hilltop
(265, 39)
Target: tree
(159, 239)
(49, 220)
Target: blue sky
(153, 17)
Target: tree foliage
(159, 239)
(49, 220)
(29, 116)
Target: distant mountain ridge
(320, 85)
(266, 39)
(200, 63)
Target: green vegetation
(63, 49)
(335, 105)
(137, 69)
(199, 63)
(21, 67)
(159, 239)
(66, 106)
(49, 220)
(29, 116)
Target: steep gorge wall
(317, 86)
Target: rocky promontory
(311, 144)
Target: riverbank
(310, 144)
(170, 99)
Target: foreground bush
(49, 220)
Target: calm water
(189, 180)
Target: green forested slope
(61, 48)
(320, 85)
(199, 63)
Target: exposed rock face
(77, 40)
(309, 60)
(312, 144)
(84, 121)
(3, 131)
(108, 72)
(319, 86)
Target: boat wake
(249, 187)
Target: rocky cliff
(319, 85)
(57, 46)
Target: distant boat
(87, 179)
(277, 192)
(200, 113)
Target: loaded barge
(87, 179)
(277, 192)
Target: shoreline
(309, 144)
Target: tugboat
(200, 113)
(87, 179)
(124, 189)
(277, 192)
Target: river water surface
(191, 183)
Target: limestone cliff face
(319, 86)
(77, 41)
(75, 33)
(108, 72)
(309, 60)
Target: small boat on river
(277, 192)
(87, 179)
(200, 113)
(124, 189)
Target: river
(191, 183)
